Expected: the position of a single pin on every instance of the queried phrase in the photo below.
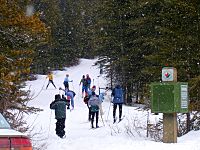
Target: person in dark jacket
(88, 81)
(84, 86)
(59, 105)
(118, 99)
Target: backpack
(118, 93)
(85, 83)
(118, 96)
(88, 80)
(86, 99)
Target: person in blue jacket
(69, 94)
(118, 100)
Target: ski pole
(73, 85)
(109, 108)
(79, 92)
(98, 81)
(102, 120)
(39, 91)
(147, 124)
(49, 123)
(101, 113)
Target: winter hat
(93, 87)
(57, 97)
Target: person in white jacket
(66, 81)
(94, 103)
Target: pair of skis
(116, 121)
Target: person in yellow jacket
(50, 76)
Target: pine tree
(61, 51)
(114, 43)
(18, 35)
(153, 34)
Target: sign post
(169, 98)
(169, 119)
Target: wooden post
(170, 127)
(169, 74)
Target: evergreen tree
(60, 50)
(19, 33)
(115, 43)
(141, 37)
(177, 41)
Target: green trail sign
(169, 97)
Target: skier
(50, 76)
(103, 93)
(84, 86)
(66, 81)
(94, 103)
(70, 96)
(93, 89)
(86, 99)
(118, 99)
(88, 81)
(59, 105)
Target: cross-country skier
(86, 99)
(59, 105)
(94, 103)
(84, 86)
(66, 81)
(118, 99)
(50, 76)
(88, 81)
(70, 95)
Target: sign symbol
(167, 75)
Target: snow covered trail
(79, 135)
(77, 126)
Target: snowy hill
(129, 134)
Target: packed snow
(128, 134)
